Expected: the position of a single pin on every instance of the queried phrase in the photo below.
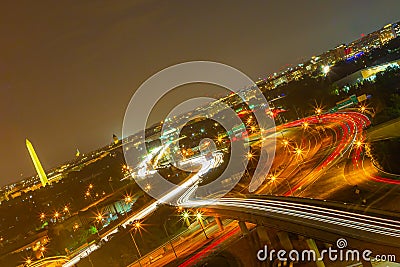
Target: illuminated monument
(36, 162)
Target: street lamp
(200, 220)
(66, 210)
(42, 216)
(298, 151)
(169, 239)
(185, 216)
(363, 109)
(285, 143)
(75, 227)
(136, 226)
(99, 217)
(128, 199)
(359, 144)
(56, 215)
(28, 261)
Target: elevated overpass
(375, 230)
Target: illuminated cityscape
(300, 168)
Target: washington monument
(36, 162)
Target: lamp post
(66, 210)
(185, 216)
(136, 227)
(128, 200)
(56, 216)
(200, 219)
(169, 239)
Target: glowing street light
(305, 125)
(250, 155)
(298, 151)
(326, 69)
(99, 217)
(66, 210)
(199, 217)
(358, 144)
(75, 226)
(28, 261)
(42, 216)
(90, 186)
(185, 215)
(136, 226)
(363, 109)
(318, 111)
(285, 142)
(128, 199)
(56, 215)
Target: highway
(306, 152)
(325, 141)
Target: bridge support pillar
(243, 228)
(219, 223)
(285, 240)
(313, 246)
(263, 236)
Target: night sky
(69, 68)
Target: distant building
(396, 29)
(386, 34)
(366, 74)
(332, 56)
(317, 64)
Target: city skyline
(63, 115)
(200, 133)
